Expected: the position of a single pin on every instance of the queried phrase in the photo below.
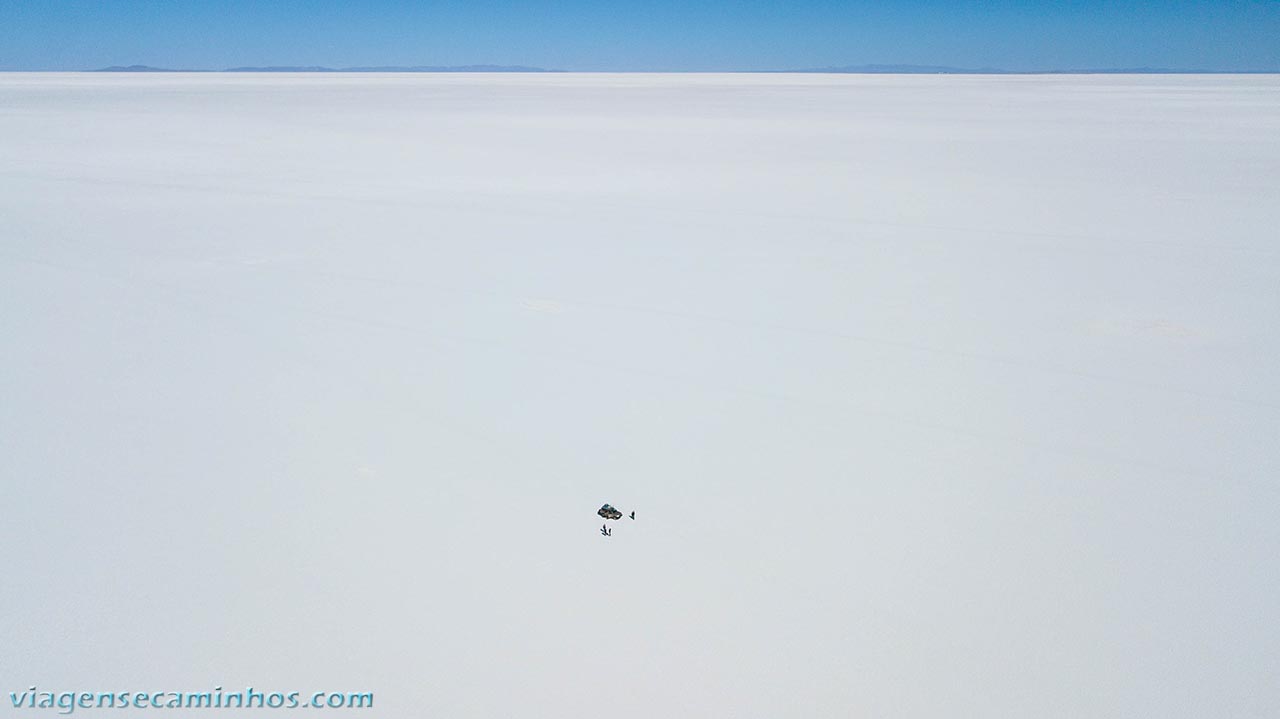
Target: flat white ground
(936, 396)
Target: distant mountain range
(138, 68)
(900, 70)
(948, 70)
(846, 69)
(317, 68)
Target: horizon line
(866, 69)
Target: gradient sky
(650, 35)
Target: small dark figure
(604, 529)
(633, 515)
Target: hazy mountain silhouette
(846, 69)
(281, 68)
(902, 70)
(949, 70)
(139, 68)
(450, 68)
(319, 68)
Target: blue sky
(651, 35)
